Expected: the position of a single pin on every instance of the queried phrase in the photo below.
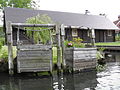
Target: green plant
(4, 53)
(101, 49)
(38, 36)
(100, 68)
(2, 41)
(117, 38)
(77, 42)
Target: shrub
(4, 53)
(2, 41)
(77, 42)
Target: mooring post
(10, 50)
(51, 53)
(93, 37)
(63, 46)
(58, 47)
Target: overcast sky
(110, 7)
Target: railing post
(58, 47)
(93, 37)
(63, 46)
(10, 50)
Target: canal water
(108, 79)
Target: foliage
(4, 53)
(77, 42)
(44, 35)
(17, 3)
(101, 49)
(117, 38)
(2, 37)
(100, 68)
(99, 55)
(2, 41)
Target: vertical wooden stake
(93, 37)
(18, 38)
(51, 53)
(10, 50)
(58, 47)
(63, 46)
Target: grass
(109, 43)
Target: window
(74, 32)
(109, 33)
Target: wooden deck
(110, 47)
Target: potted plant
(78, 57)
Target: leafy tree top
(39, 36)
(18, 3)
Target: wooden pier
(38, 57)
(109, 47)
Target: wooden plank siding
(100, 35)
(80, 58)
(33, 58)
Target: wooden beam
(10, 50)
(32, 25)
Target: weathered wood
(63, 46)
(58, 47)
(93, 37)
(32, 25)
(10, 50)
(37, 46)
(80, 58)
(18, 37)
(33, 58)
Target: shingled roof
(19, 15)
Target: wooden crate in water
(34, 58)
(81, 58)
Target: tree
(44, 35)
(18, 3)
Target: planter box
(34, 58)
(80, 58)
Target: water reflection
(109, 78)
(106, 80)
(25, 83)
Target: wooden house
(77, 25)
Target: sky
(110, 7)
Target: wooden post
(18, 37)
(93, 37)
(51, 53)
(63, 46)
(58, 47)
(10, 44)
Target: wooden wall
(34, 58)
(100, 35)
(80, 58)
